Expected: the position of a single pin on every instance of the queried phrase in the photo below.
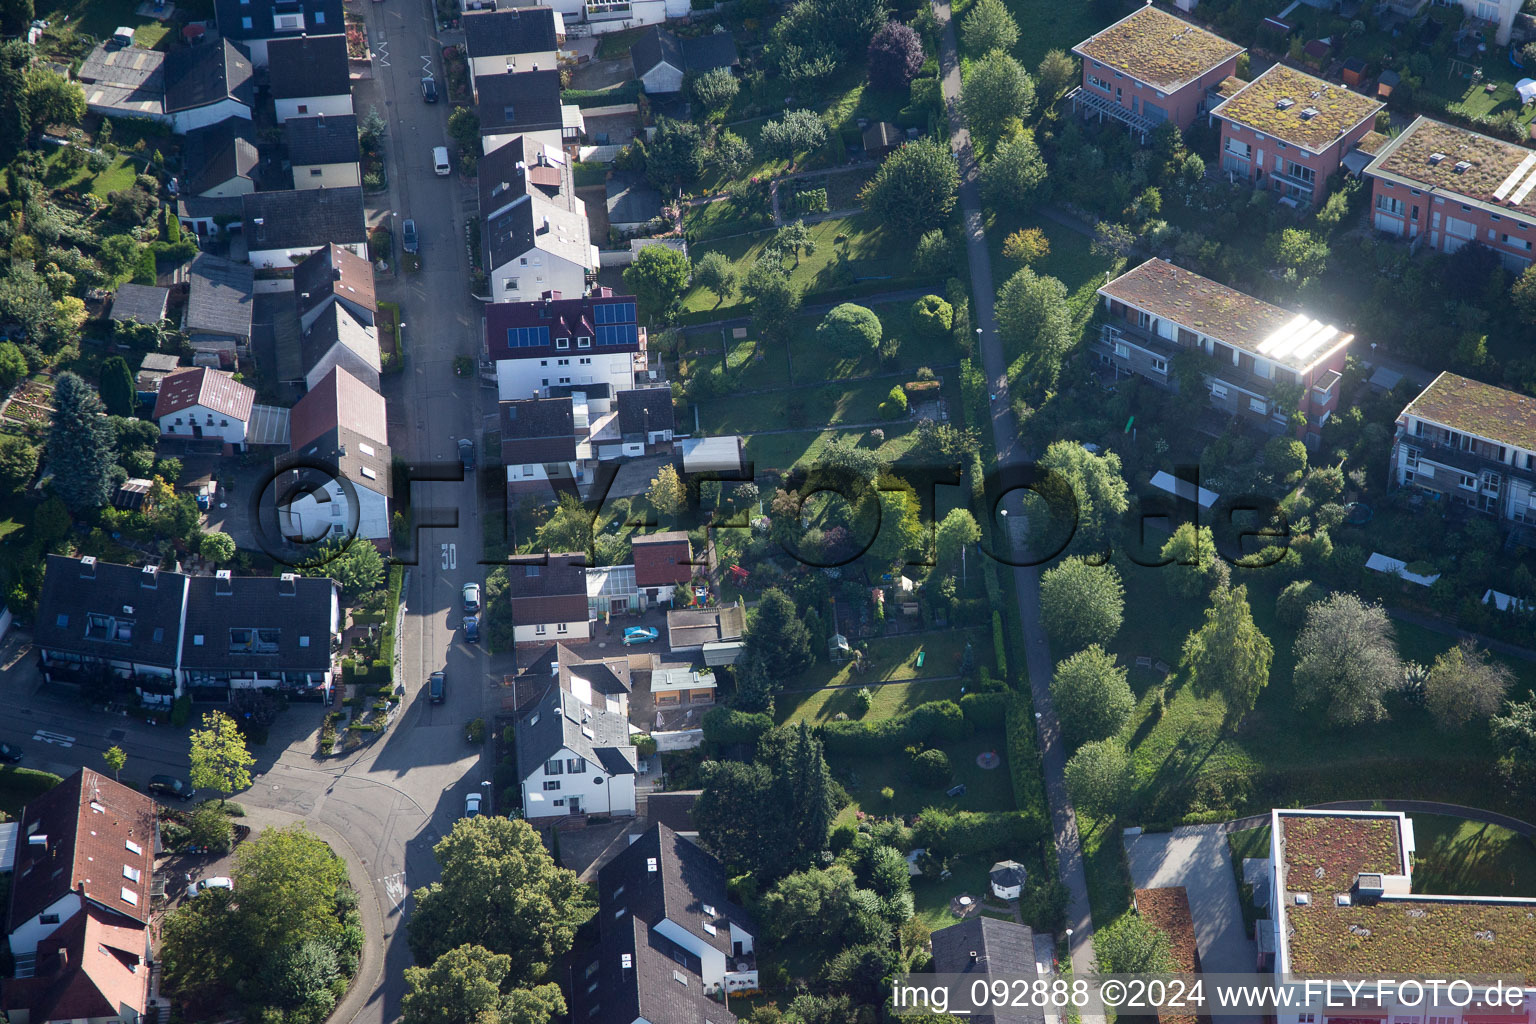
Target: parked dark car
(408, 238)
(429, 89)
(437, 687)
(9, 753)
(471, 629)
(170, 785)
(467, 452)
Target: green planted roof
(1473, 407)
(1159, 49)
(1298, 108)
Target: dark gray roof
(142, 302)
(661, 983)
(513, 31)
(219, 152)
(1002, 948)
(1008, 872)
(645, 410)
(523, 167)
(538, 430)
(192, 206)
(219, 296)
(196, 76)
(336, 325)
(609, 677)
(309, 66)
(340, 451)
(316, 16)
(538, 222)
(697, 55)
(528, 101)
(224, 612)
(560, 720)
(673, 809)
(631, 199)
(687, 879)
(110, 611)
(322, 140)
(304, 217)
(658, 46)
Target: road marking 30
(43, 736)
(450, 556)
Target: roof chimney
(223, 583)
(975, 956)
(88, 567)
(335, 273)
(287, 585)
(149, 577)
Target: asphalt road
(391, 802)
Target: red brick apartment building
(1450, 186)
(1150, 67)
(1288, 131)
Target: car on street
(471, 594)
(437, 687)
(216, 882)
(471, 629)
(472, 804)
(440, 163)
(170, 785)
(9, 753)
(429, 89)
(409, 241)
(467, 452)
(640, 635)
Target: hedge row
(985, 711)
(1024, 759)
(937, 720)
(726, 726)
(953, 833)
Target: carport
(268, 426)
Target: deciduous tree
(850, 330)
(895, 56)
(1034, 321)
(955, 531)
(668, 494)
(1465, 684)
(499, 889)
(1228, 655)
(716, 88)
(1346, 660)
(914, 188)
(53, 99)
(798, 131)
(1096, 483)
(217, 546)
(1191, 552)
(464, 986)
(996, 92)
(717, 273)
(988, 27)
(659, 276)
(1055, 75)
(1081, 603)
(220, 760)
(1091, 695)
(18, 462)
(1098, 778)
(775, 301)
(1133, 945)
(1016, 176)
(1027, 246)
(675, 155)
(1514, 739)
(288, 881)
(115, 758)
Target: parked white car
(216, 882)
(472, 804)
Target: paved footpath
(1069, 847)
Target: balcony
(1124, 331)
(1091, 102)
(1463, 461)
(1294, 180)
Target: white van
(440, 160)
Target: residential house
(552, 342)
(602, 682)
(663, 562)
(221, 161)
(1289, 131)
(574, 758)
(141, 630)
(632, 202)
(334, 274)
(535, 228)
(207, 84)
(324, 152)
(549, 599)
(310, 76)
(336, 474)
(504, 42)
(599, 16)
(1454, 186)
(1150, 67)
(139, 303)
(672, 943)
(525, 103)
(201, 402)
(124, 81)
(703, 630)
(662, 60)
(1264, 362)
(259, 632)
(984, 946)
(1341, 903)
(543, 446)
(220, 296)
(337, 338)
(257, 22)
(1470, 444)
(281, 228)
(640, 422)
(78, 919)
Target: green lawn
(968, 876)
(781, 452)
(891, 699)
(877, 259)
(118, 175)
(894, 658)
(1046, 26)
(1469, 858)
(865, 777)
(828, 405)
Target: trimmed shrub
(1024, 760)
(984, 710)
(999, 641)
(933, 317)
(937, 721)
(727, 726)
(953, 833)
(931, 769)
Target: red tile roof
(75, 838)
(662, 559)
(339, 400)
(86, 968)
(207, 387)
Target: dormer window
(583, 342)
(562, 343)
